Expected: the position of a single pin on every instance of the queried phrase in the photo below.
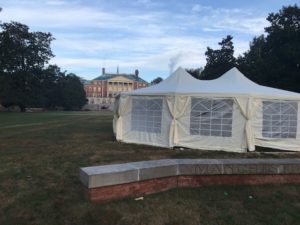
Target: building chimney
(136, 72)
(103, 70)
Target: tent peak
(233, 72)
(234, 69)
(179, 69)
(181, 75)
(235, 76)
(180, 81)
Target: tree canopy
(24, 79)
(197, 73)
(272, 60)
(156, 80)
(21, 50)
(220, 60)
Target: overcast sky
(149, 35)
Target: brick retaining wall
(110, 182)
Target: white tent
(230, 113)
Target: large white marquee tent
(230, 113)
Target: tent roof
(232, 82)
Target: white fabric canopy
(233, 81)
(230, 113)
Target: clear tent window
(280, 119)
(146, 115)
(211, 117)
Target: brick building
(103, 89)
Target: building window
(146, 115)
(279, 119)
(211, 117)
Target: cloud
(199, 8)
(211, 29)
(228, 19)
(148, 54)
(55, 2)
(87, 35)
(246, 25)
(136, 22)
(61, 17)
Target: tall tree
(283, 48)
(51, 93)
(22, 50)
(252, 63)
(275, 60)
(72, 92)
(220, 60)
(23, 55)
(24, 80)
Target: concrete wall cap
(98, 176)
(93, 170)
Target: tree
(21, 50)
(274, 60)
(283, 48)
(72, 92)
(197, 73)
(51, 93)
(252, 62)
(23, 55)
(220, 60)
(156, 80)
(24, 80)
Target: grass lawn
(40, 156)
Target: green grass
(40, 156)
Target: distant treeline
(25, 81)
(273, 59)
